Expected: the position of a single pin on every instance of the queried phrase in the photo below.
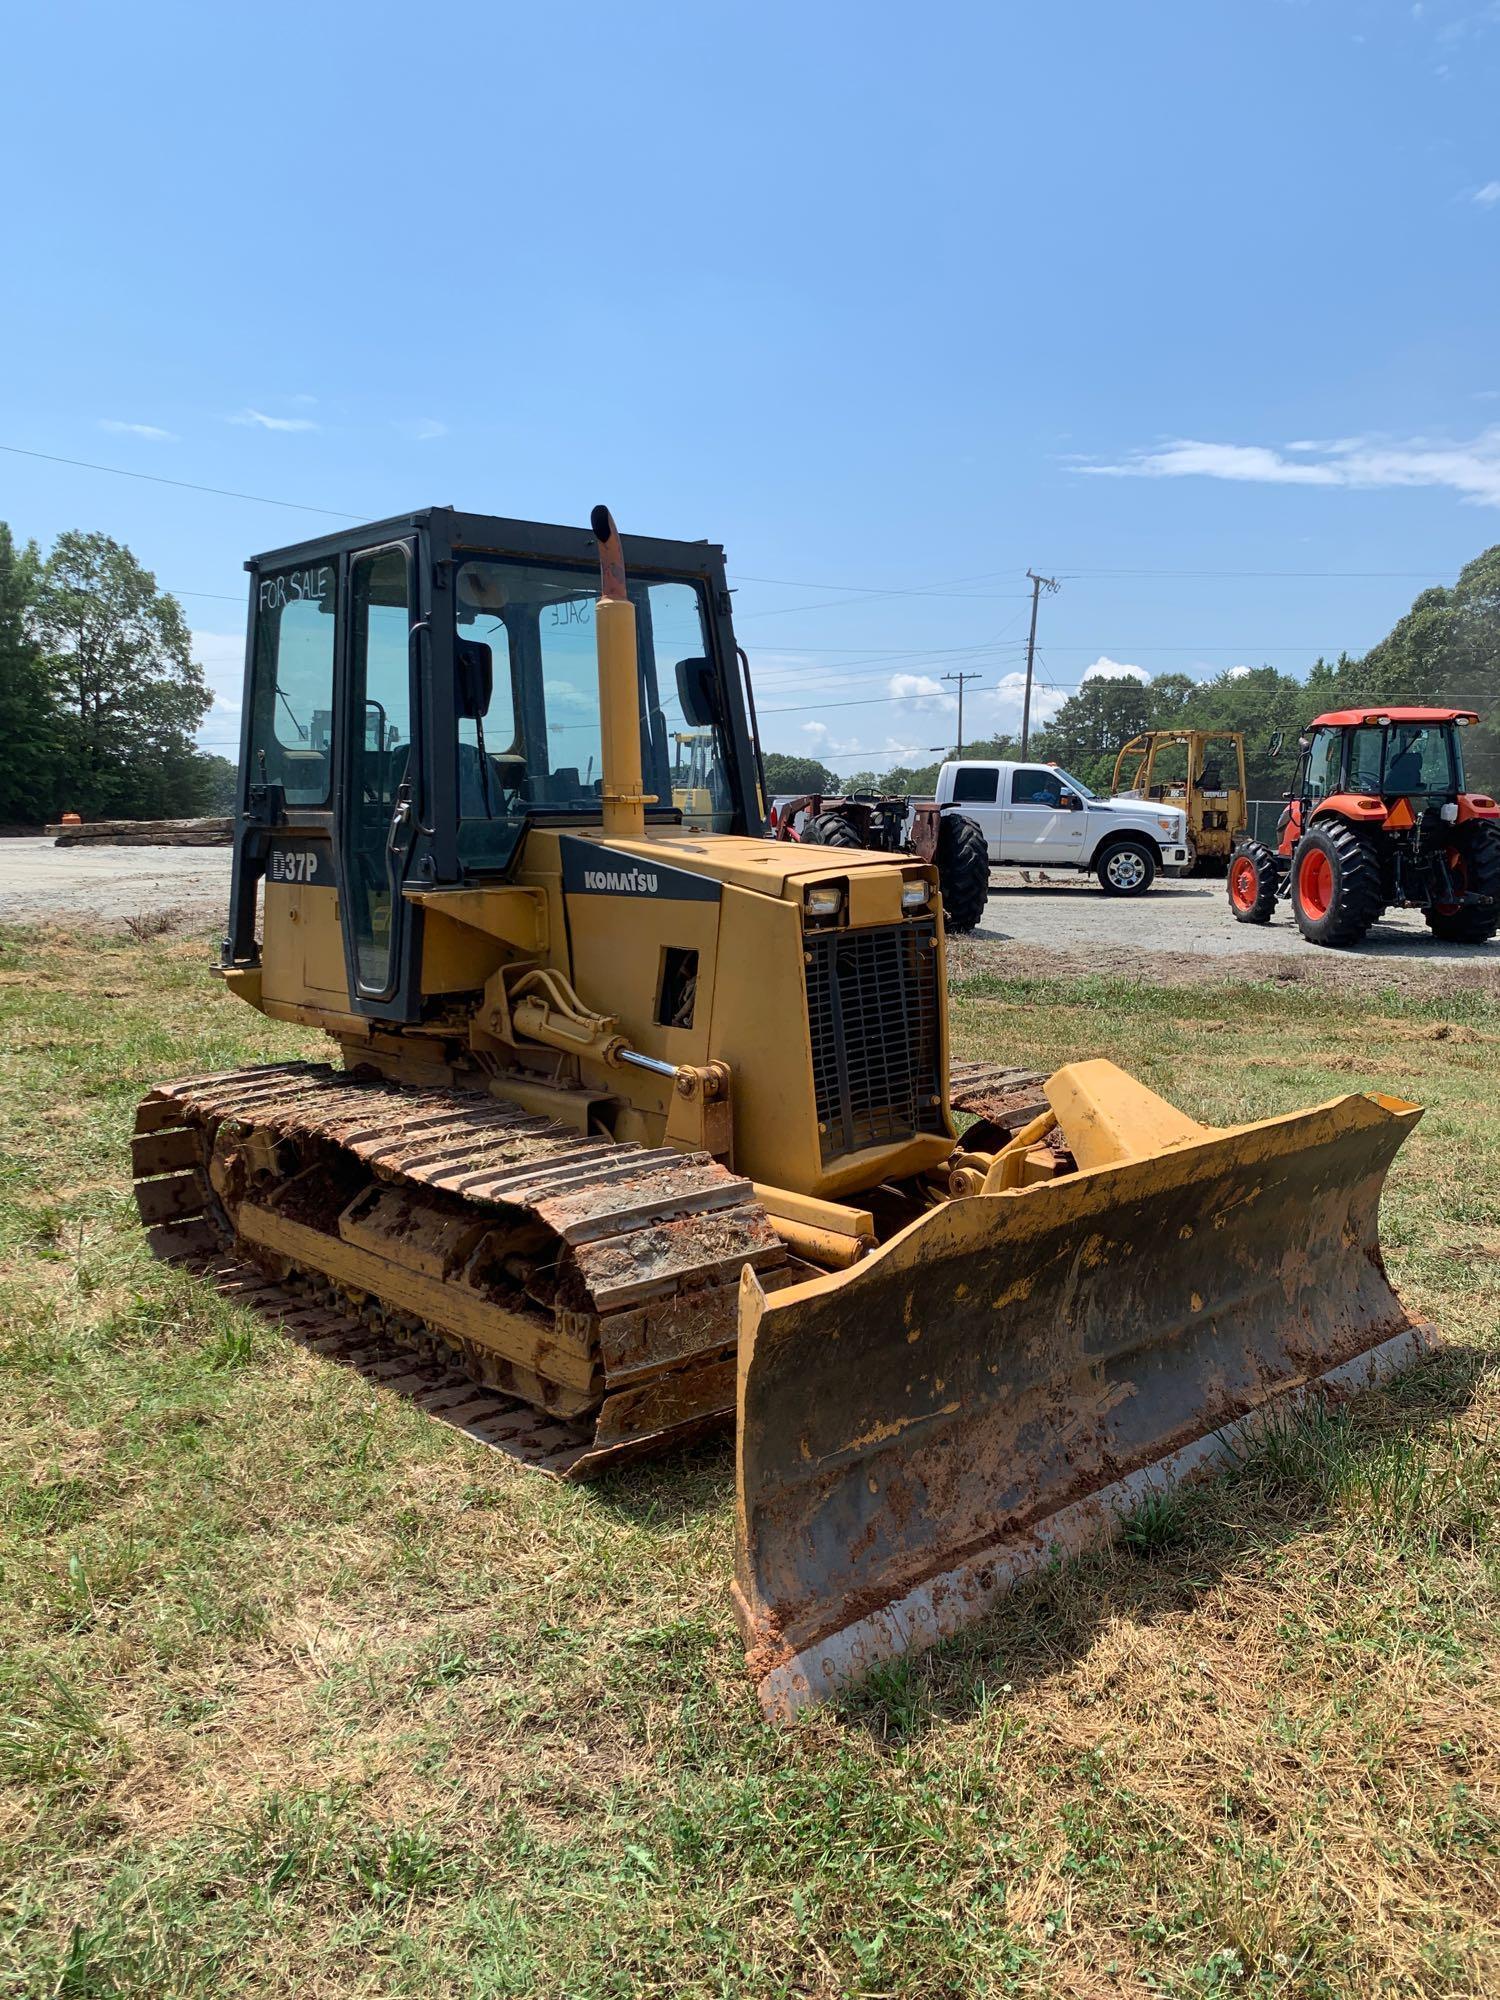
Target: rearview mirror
(1274, 749)
(476, 679)
(698, 692)
(1070, 802)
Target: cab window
(292, 682)
(1036, 788)
(976, 785)
(1324, 762)
(1419, 758)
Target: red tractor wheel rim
(1243, 884)
(1315, 883)
(1460, 876)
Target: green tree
(1091, 725)
(28, 718)
(796, 775)
(128, 693)
(1446, 651)
(221, 777)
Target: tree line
(1445, 652)
(99, 693)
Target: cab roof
(1353, 718)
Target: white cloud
(1487, 195)
(1106, 669)
(923, 691)
(274, 423)
(1470, 469)
(421, 430)
(153, 432)
(1001, 705)
(1237, 673)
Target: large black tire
(1478, 846)
(1336, 887)
(963, 862)
(831, 830)
(1252, 883)
(1126, 868)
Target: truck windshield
(537, 746)
(1076, 784)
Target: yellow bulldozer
(641, 1123)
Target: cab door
(1037, 827)
(379, 769)
(976, 790)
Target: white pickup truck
(1037, 815)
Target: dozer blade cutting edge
(1014, 1372)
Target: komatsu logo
(620, 881)
(589, 870)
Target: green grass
(302, 1694)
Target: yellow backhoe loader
(641, 1122)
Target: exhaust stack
(619, 702)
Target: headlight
(1170, 826)
(823, 899)
(915, 894)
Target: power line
(187, 485)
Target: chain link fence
(1265, 815)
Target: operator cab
(420, 691)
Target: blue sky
(1193, 304)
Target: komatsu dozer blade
(1012, 1373)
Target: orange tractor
(1378, 818)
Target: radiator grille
(872, 1006)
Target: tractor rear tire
(963, 862)
(831, 830)
(1252, 883)
(1478, 848)
(1337, 892)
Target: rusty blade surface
(999, 1377)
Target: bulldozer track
(631, 1311)
(502, 1423)
(996, 1091)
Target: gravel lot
(102, 886)
(1179, 933)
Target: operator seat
(1404, 772)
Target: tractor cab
(1378, 817)
(1384, 755)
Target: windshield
(1076, 784)
(537, 745)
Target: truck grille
(872, 1007)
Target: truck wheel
(831, 830)
(1336, 886)
(1475, 864)
(1252, 883)
(1126, 868)
(963, 862)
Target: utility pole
(961, 678)
(1037, 583)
